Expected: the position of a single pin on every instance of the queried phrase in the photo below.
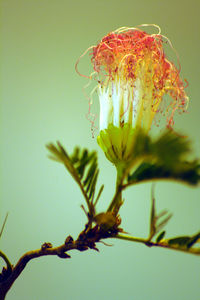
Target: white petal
(105, 107)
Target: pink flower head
(133, 75)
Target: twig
(162, 244)
(5, 258)
(4, 223)
(86, 240)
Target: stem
(3, 294)
(117, 200)
(162, 244)
(87, 239)
(131, 238)
(46, 249)
(123, 169)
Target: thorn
(64, 255)
(69, 240)
(95, 248)
(46, 246)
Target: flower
(133, 76)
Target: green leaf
(142, 145)
(180, 241)
(170, 147)
(157, 221)
(90, 174)
(187, 172)
(99, 195)
(93, 185)
(160, 236)
(83, 167)
(193, 240)
(164, 221)
(184, 241)
(164, 158)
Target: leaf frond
(167, 157)
(83, 167)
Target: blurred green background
(42, 101)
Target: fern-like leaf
(164, 158)
(83, 167)
(184, 241)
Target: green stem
(131, 238)
(163, 244)
(117, 200)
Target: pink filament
(124, 53)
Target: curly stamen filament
(76, 65)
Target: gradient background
(42, 101)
